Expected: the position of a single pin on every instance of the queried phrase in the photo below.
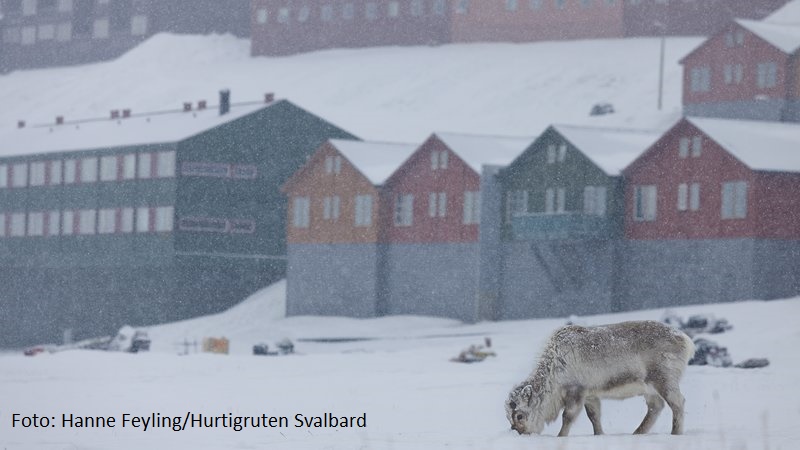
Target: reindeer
(581, 365)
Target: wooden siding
(416, 177)
(778, 209)
(532, 173)
(661, 166)
(716, 54)
(316, 183)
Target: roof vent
(115, 114)
(201, 105)
(20, 124)
(224, 102)
(126, 113)
(59, 120)
(187, 106)
(269, 97)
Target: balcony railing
(569, 225)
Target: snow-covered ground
(400, 376)
(390, 93)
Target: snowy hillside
(399, 93)
(399, 375)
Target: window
(37, 173)
(201, 169)
(437, 204)
(65, 5)
(28, 35)
(166, 164)
(439, 7)
(301, 212)
(3, 177)
(283, 15)
(87, 221)
(535, 4)
(244, 172)
(36, 224)
(403, 210)
(262, 15)
(417, 8)
(2, 225)
(734, 200)
(330, 208)
(562, 152)
(106, 221)
(700, 79)
(594, 200)
(462, 6)
(203, 224)
(327, 13)
(54, 172)
(164, 218)
(28, 7)
(560, 4)
(683, 197)
(363, 210)
(472, 207)
(333, 164)
(394, 9)
(11, 35)
(100, 30)
(586, 3)
(145, 165)
(561, 200)
(694, 196)
(242, 226)
(47, 32)
(108, 168)
(551, 154)
(129, 166)
(89, 170)
(17, 228)
(139, 25)
(19, 175)
(68, 223)
(697, 146)
(348, 11)
(733, 73)
(511, 5)
(64, 32)
(683, 147)
(70, 171)
(54, 223)
(142, 220)
(126, 220)
(516, 204)
(767, 75)
(549, 200)
(302, 16)
(439, 159)
(371, 11)
(644, 203)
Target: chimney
(20, 124)
(187, 106)
(126, 113)
(59, 120)
(201, 105)
(115, 114)
(224, 102)
(269, 97)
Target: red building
(748, 70)
(713, 214)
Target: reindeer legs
(573, 403)
(592, 405)
(654, 406)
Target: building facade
(142, 219)
(712, 214)
(50, 33)
(749, 70)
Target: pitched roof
(788, 13)
(786, 37)
(611, 149)
(479, 150)
(761, 145)
(155, 128)
(376, 160)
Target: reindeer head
(523, 410)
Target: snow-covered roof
(480, 150)
(611, 149)
(788, 13)
(376, 160)
(785, 37)
(761, 145)
(109, 133)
